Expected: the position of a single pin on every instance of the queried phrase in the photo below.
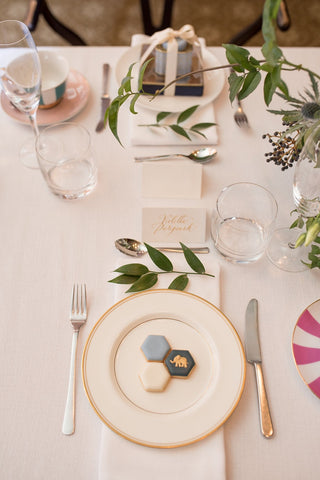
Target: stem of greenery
(300, 67)
(141, 278)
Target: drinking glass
(243, 221)
(66, 160)
(306, 195)
(20, 76)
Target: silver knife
(105, 99)
(253, 354)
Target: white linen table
(47, 244)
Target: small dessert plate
(306, 347)
(73, 101)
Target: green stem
(166, 126)
(201, 70)
(300, 67)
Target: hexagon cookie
(154, 377)
(179, 363)
(155, 348)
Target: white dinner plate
(306, 346)
(189, 408)
(213, 83)
(73, 101)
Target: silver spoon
(136, 248)
(202, 155)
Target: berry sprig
(285, 149)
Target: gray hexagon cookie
(155, 348)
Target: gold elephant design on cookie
(180, 362)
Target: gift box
(190, 85)
(172, 54)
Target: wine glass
(306, 195)
(20, 75)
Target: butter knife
(105, 99)
(253, 354)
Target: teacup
(54, 74)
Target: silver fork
(240, 117)
(78, 316)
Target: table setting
(86, 307)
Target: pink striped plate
(306, 346)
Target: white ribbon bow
(169, 35)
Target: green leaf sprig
(311, 237)
(177, 127)
(125, 92)
(141, 278)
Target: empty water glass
(66, 160)
(243, 222)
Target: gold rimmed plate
(188, 409)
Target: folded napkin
(159, 136)
(121, 459)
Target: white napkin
(121, 459)
(159, 136)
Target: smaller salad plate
(73, 101)
(306, 347)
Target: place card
(177, 179)
(173, 225)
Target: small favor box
(154, 78)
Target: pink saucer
(73, 101)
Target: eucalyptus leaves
(140, 277)
(177, 126)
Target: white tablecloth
(47, 244)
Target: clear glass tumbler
(243, 222)
(66, 160)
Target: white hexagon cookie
(154, 377)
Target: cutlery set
(78, 317)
